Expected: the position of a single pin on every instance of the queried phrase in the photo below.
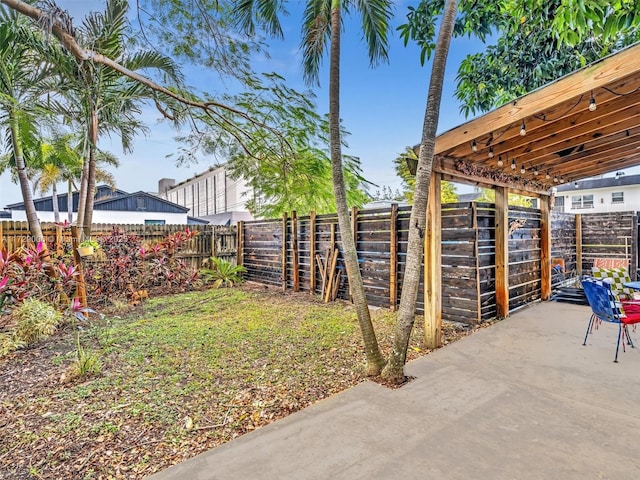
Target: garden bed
(180, 375)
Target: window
(140, 204)
(617, 197)
(154, 222)
(581, 201)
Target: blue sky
(382, 108)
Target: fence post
(633, 261)
(294, 251)
(312, 253)
(284, 252)
(578, 219)
(213, 241)
(240, 243)
(393, 257)
(545, 248)
(502, 252)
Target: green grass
(184, 374)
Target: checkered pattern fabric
(607, 308)
(616, 277)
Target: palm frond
(376, 17)
(264, 13)
(316, 32)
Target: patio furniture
(606, 307)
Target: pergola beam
(598, 74)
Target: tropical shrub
(36, 320)
(222, 273)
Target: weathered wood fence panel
(607, 235)
(524, 256)
(563, 244)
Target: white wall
(211, 192)
(103, 216)
(602, 199)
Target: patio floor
(522, 399)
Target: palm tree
(394, 370)
(21, 76)
(321, 27)
(108, 102)
(61, 161)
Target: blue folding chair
(606, 307)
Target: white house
(111, 206)
(212, 195)
(614, 194)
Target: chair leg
(629, 340)
(588, 329)
(615, 360)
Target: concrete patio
(522, 399)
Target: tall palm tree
(394, 370)
(106, 101)
(321, 27)
(21, 76)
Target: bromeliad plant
(222, 273)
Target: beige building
(212, 195)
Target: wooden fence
(212, 240)
(282, 252)
(610, 235)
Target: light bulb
(592, 104)
(513, 164)
(500, 163)
(474, 146)
(523, 129)
(490, 152)
(535, 172)
(522, 169)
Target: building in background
(111, 206)
(211, 196)
(620, 193)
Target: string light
(547, 176)
(592, 103)
(474, 146)
(523, 129)
(490, 152)
(513, 164)
(555, 179)
(500, 163)
(561, 179)
(535, 171)
(522, 169)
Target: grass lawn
(180, 375)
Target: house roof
(110, 199)
(563, 136)
(594, 183)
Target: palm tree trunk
(394, 370)
(54, 199)
(27, 197)
(87, 214)
(375, 360)
(70, 200)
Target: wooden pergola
(584, 124)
